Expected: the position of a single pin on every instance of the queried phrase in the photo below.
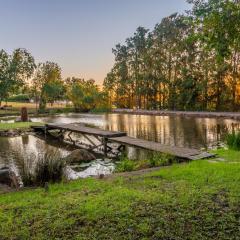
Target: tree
(85, 95)
(47, 83)
(188, 62)
(15, 70)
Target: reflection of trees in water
(176, 131)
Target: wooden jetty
(103, 140)
(186, 153)
(101, 136)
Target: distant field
(16, 106)
(33, 105)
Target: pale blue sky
(78, 34)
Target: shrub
(19, 98)
(125, 164)
(233, 141)
(49, 167)
(154, 160)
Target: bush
(48, 168)
(154, 160)
(125, 164)
(19, 98)
(233, 141)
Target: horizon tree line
(189, 61)
(43, 82)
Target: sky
(78, 34)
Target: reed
(48, 168)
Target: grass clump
(233, 141)
(48, 167)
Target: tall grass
(233, 141)
(48, 167)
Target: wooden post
(24, 114)
(105, 140)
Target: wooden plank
(180, 152)
(80, 128)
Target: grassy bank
(15, 109)
(196, 200)
(18, 125)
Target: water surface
(174, 130)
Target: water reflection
(175, 131)
(15, 151)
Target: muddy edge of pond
(228, 115)
(15, 132)
(128, 175)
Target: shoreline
(204, 114)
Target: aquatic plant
(26, 171)
(48, 167)
(233, 141)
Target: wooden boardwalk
(186, 153)
(103, 139)
(81, 128)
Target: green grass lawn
(196, 200)
(18, 125)
(228, 155)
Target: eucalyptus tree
(189, 62)
(137, 49)
(219, 21)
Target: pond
(175, 131)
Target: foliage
(15, 70)
(233, 141)
(178, 202)
(19, 98)
(188, 62)
(48, 167)
(85, 95)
